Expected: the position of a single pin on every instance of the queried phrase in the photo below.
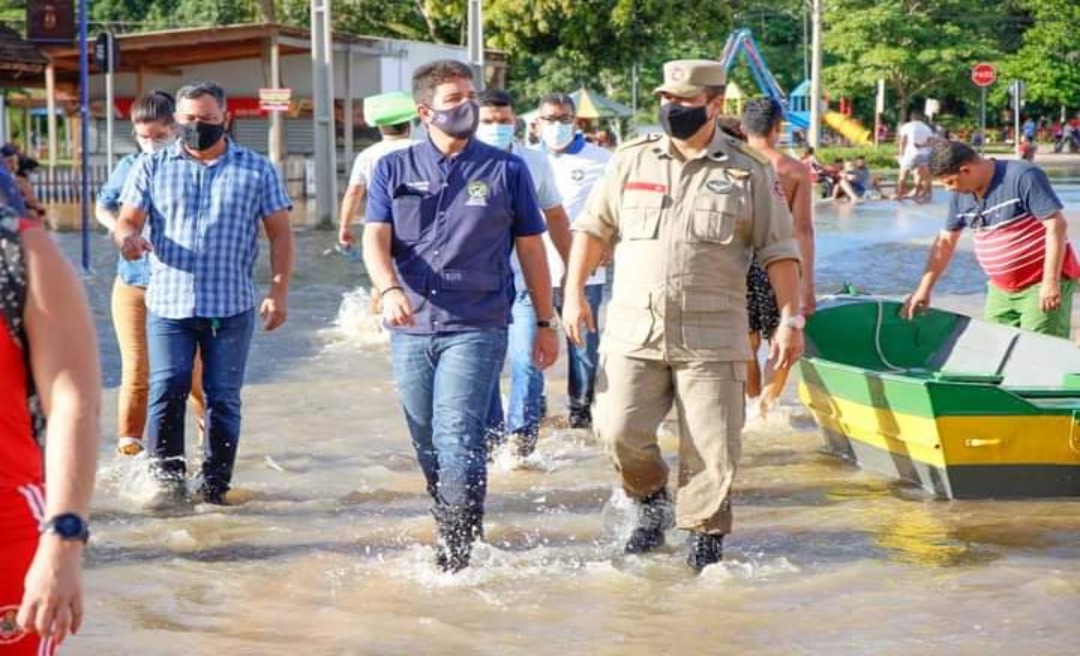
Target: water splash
(356, 325)
(130, 478)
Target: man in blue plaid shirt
(205, 198)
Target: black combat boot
(580, 418)
(458, 528)
(704, 549)
(653, 518)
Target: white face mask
(150, 146)
(499, 135)
(557, 136)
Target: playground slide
(799, 120)
(848, 128)
(742, 42)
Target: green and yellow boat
(963, 408)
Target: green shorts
(1021, 309)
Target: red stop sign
(983, 75)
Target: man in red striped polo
(1020, 239)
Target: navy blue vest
(454, 222)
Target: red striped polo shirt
(1010, 237)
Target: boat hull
(965, 436)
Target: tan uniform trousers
(634, 395)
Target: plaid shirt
(204, 227)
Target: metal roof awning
(21, 63)
(168, 51)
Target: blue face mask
(557, 136)
(499, 135)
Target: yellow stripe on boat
(950, 440)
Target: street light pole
(476, 41)
(813, 135)
(84, 129)
(806, 44)
(322, 49)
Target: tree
(422, 20)
(919, 48)
(1049, 60)
(778, 28)
(564, 44)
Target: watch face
(69, 526)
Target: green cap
(389, 108)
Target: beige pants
(633, 396)
(129, 321)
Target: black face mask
(459, 122)
(682, 122)
(201, 136)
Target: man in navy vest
(442, 218)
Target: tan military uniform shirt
(684, 235)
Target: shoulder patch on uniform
(641, 141)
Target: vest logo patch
(718, 186)
(478, 193)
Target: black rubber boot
(581, 418)
(458, 528)
(653, 518)
(213, 494)
(704, 549)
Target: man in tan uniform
(686, 212)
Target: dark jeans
(525, 408)
(581, 385)
(527, 404)
(445, 383)
(224, 344)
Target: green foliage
(1049, 59)
(882, 157)
(920, 49)
(564, 44)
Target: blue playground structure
(742, 41)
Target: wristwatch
(68, 527)
(552, 323)
(797, 321)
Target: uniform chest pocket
(408, 221)
(715, 218)
(639, 214)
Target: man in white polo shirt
(913, 140)
(391, 113)
(521, 422)
(578, 165)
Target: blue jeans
(581, 384)
(224, 344)
(527, 404)
(445, 384)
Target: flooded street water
(330, 551)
